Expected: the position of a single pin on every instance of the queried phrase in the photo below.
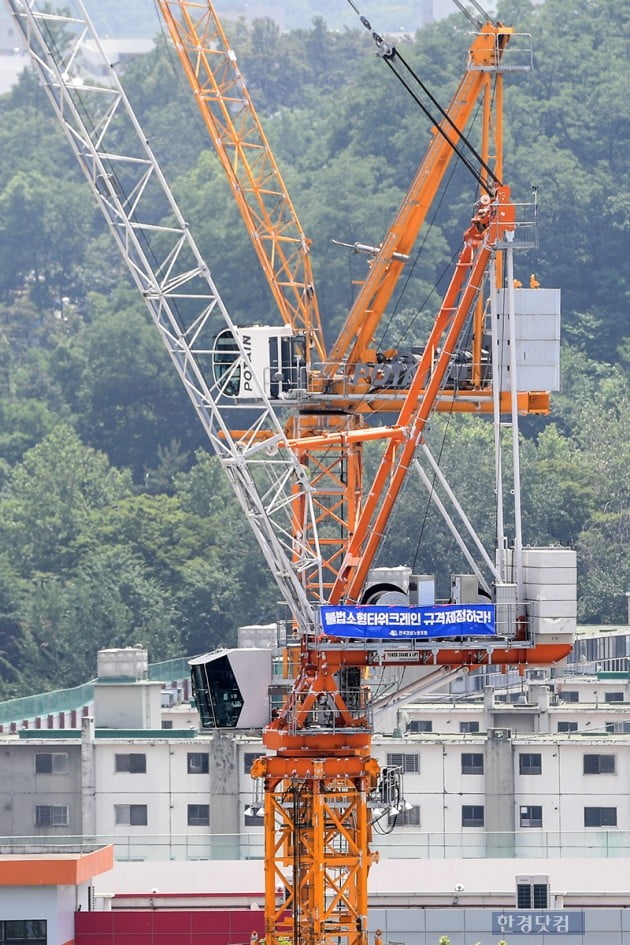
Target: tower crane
(352, 383)
(301, 482)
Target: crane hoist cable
(469, 16)
(388, 52)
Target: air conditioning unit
(532, 892)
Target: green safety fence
(64, 700)
(170, 670)
(46, 703)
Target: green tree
(110, 601)
(560, 491)
(604, 568)
(44, 226)
(48, 500)
(130, 402)
(12, 591)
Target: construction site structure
(300, 481)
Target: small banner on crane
(404, 623)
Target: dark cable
(447, 118)
(389, 53)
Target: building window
(51, 762)
(613, 697)
(198, 762)
(132, 815)
(569, 696)
(472, 815)
(420, 725)
(567, 726)
(531, 816)
(468, 728)
(167, 723)
(410, 763)
(599, 764)
(23, 931)
(530, 763)
(198, 815)
(472, 763)
(405, 818)
(600, 816)
(617, 728)
(135, 763)
(248, 759)
(51, 815)
(252, 817)
(532, 895)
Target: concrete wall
(435, 782)
(399, 927)
(499, 791)
(21, 789)
(125, 705)
(56, 905)
(467, 926)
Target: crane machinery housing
(288, 417)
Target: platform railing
(402, 843)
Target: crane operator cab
(277, 365)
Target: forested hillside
(115, 526)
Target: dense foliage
(115, 526)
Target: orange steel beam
(317, 855)
(356, 337)
(316, 813)
(219, 88)
(335, 472)
(487, 227)
(317, 786)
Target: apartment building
(543, 764)
(177, 794)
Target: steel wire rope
(389, 53)
(449, 416)
(403, 289)
(425, 301)
(450, 412)
(429, 294)
(427, 507)
(449, 121)
(433, 480)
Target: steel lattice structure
(176, 284)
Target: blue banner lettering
(538, 923)
(404, 623)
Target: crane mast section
(219, 88)
(356, 338)
(177, 287)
